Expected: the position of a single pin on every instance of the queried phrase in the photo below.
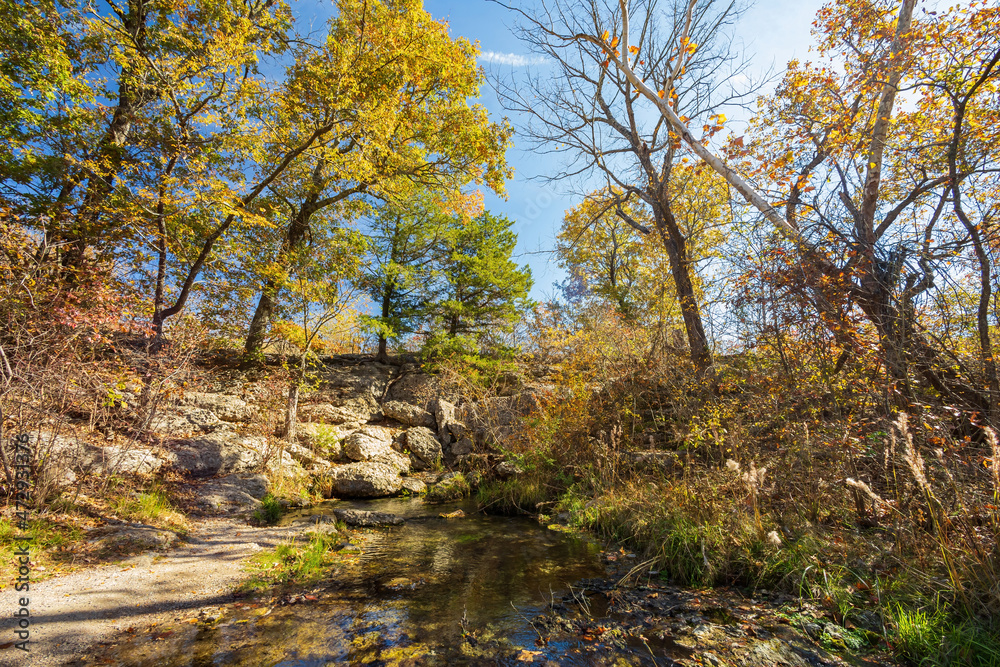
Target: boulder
(414, 486)
(357, 388)
(136, 536)
(219, 453)
(62, 458)
(398, 462)
(234, 493)
(411, 415)
(328, 413)
(414, 387)
(367, 443)
(444, 414)
(324, 439)
(366, 519)
(125, 459)
(424, 447)
(186, 420)
(507, 469)
(255, 485)
(462, 447)
(225, 407)
(305, 457)
(367, 479)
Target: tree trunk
(295, 236)
(387, 294)
(680, 267)
(109, 152)
(292, 411)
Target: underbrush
(788, 478)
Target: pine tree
(483, 289)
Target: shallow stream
(433, 591)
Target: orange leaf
(605, 35)
(661, 94)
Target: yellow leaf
(605, 35)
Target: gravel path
(71, 613)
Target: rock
(62, 458)
(414, 486)
(424, 447)
(463, 446)
(320, 523)
(507, 469)
(771, 652)
(233, 492)
(325, 439)
(138, 536)
(225, 407)
(365, 519)
(449, 488)
(366, 444)
(253, 485)
(415, 388)
(285, 464)
(410, 415)
(398, 462)
(129, 460)
(188, 420)
(813, 630)
(219, 453)
(367, 479)
(357, 388)
(444, 414)
(304, 457)
(327, 413)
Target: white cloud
(512, 59)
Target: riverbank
(446, 589)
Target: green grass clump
(293, 562)
(151, 506)
(270, 511)
(50, 544)
(452, 488)
(325, 441)
(935, 638)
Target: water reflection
(404, 601)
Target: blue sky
(773, 31)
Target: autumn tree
(589, 110)
(317, 287)
(873, 189)
(393, 87)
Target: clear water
(406, 599)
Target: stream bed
(477, 589)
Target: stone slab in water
(366, 519)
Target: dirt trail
(71, 613)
